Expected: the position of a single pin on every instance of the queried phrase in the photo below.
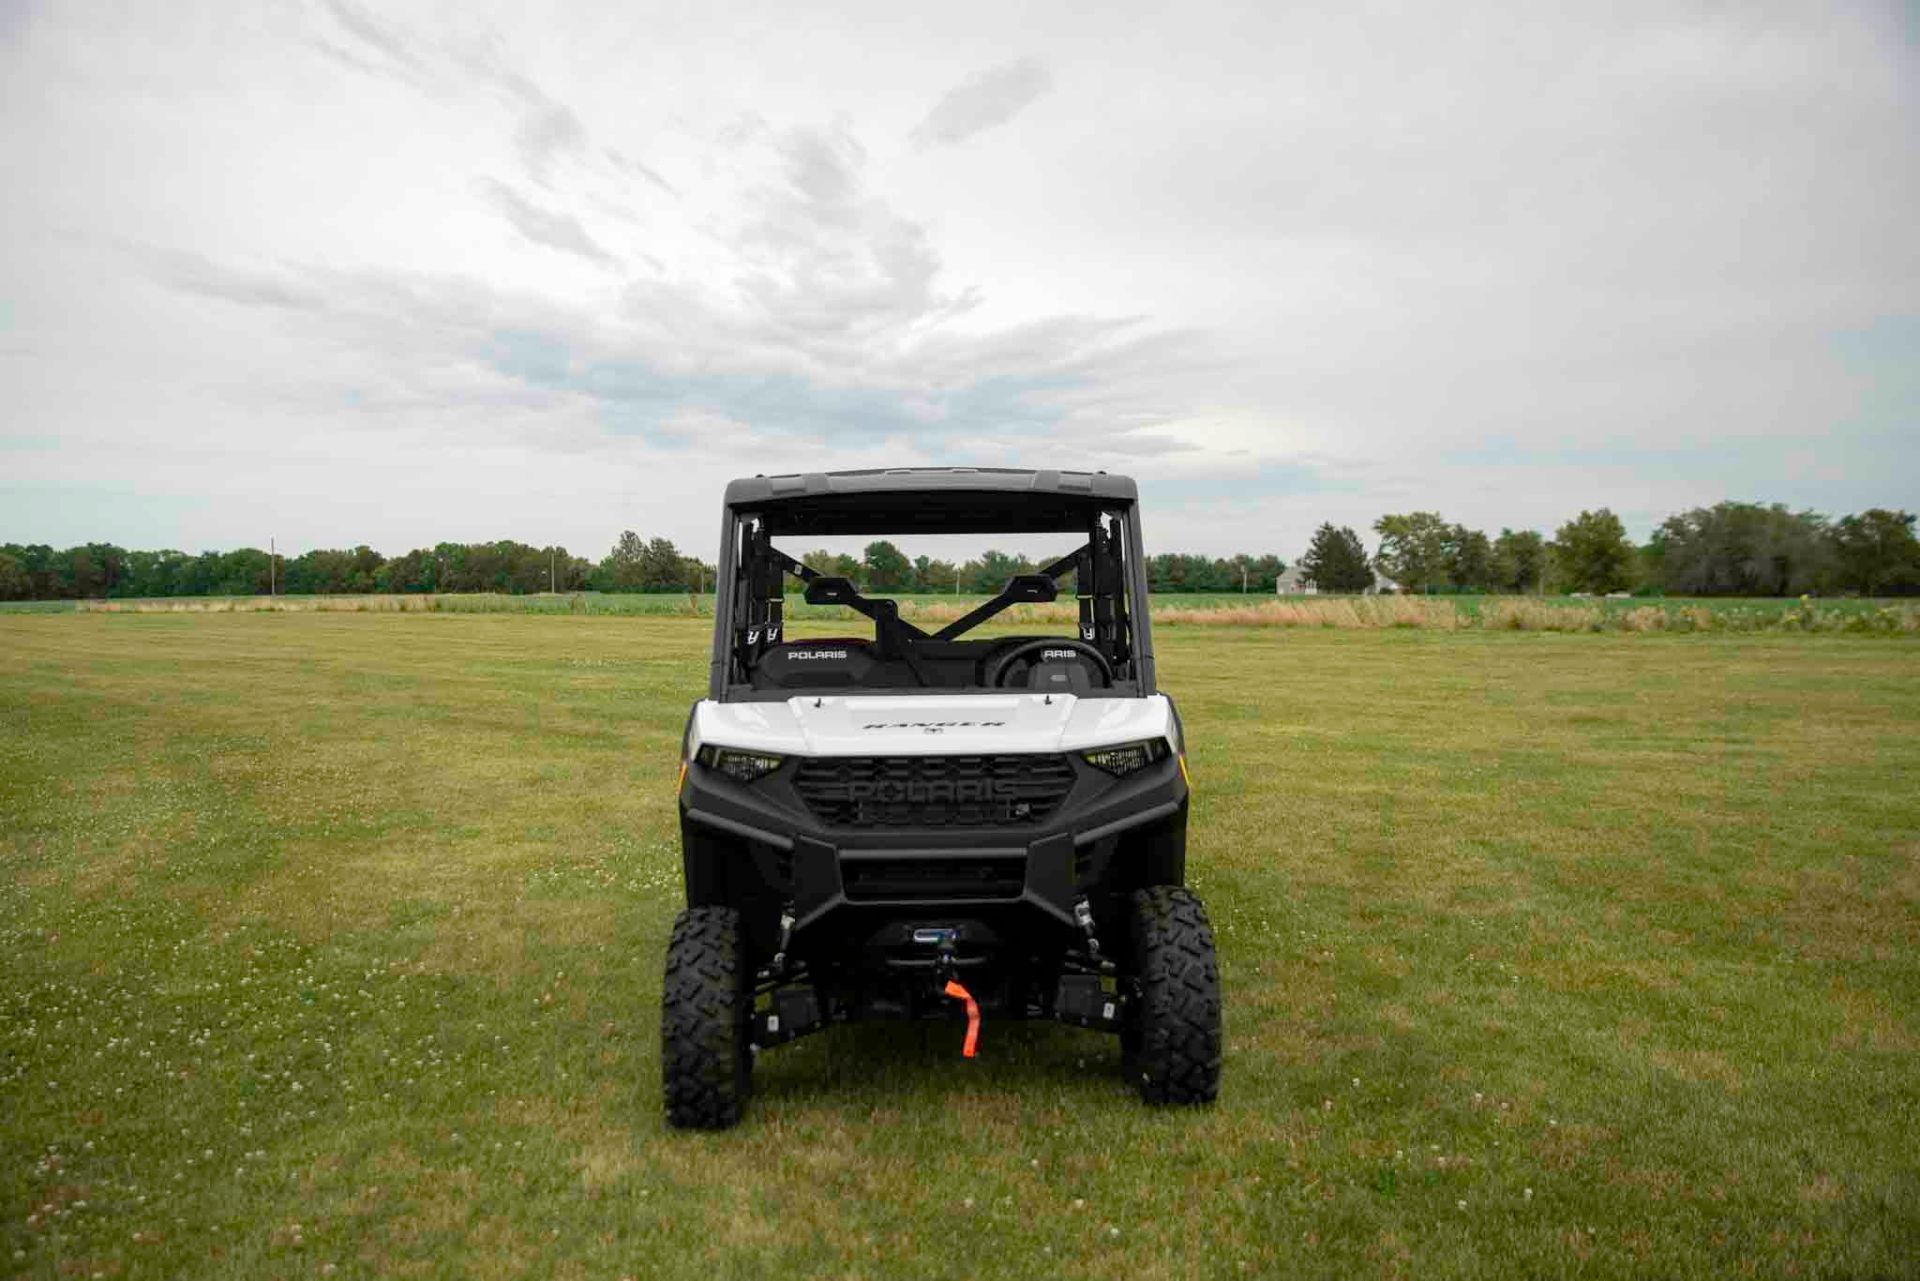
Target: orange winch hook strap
(959, 993)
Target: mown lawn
(331, 948)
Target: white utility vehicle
(932, 823)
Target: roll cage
(1107, 573)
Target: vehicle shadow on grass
(876, 1064)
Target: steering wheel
(1003, 666)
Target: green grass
(331, 947)
(37, 606)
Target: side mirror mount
(1030, 589)
(831, 591)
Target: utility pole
(273, 567)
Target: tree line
(883, 567)
(1729, 549)
(633, 564)
(94, 570)
(1746, 549)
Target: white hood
(931, 724)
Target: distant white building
(1294, 582)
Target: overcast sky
(341, 272)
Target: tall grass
(1347, 613)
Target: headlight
(1127, 757)
(742, 767)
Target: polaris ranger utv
(929, 823)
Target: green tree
(36, 564)
(1742, 549)
(845, 566)
(241, 572)
(938, 575)
(411, 571)
(1336, 561)
(1591, 553)
(14, 583)
(621, 570)
(1413, 549)
(698, 575)
(1519, 561)
(662, 567)
(986, 576)
(820, 559)
(363, 564)
(1173, 572)
(888, 569)
(1876, 552)
(1468, 558)
(155, 573)
(92, 571)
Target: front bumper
(839, 872)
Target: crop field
(332, 947)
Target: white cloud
(991, 98)
(555, 230)
(393, 275)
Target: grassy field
(332, 941)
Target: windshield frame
(725, 684)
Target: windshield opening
(815, 610)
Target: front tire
(1171, 1038)
(706, 1059)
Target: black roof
(752, 491)
(930, 499)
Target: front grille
(933, 791)
(934, 877)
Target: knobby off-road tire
(1171, 1038)
(706, 1065)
